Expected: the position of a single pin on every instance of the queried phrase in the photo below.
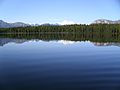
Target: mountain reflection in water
(98, 39)
(4, 41)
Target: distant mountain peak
(105, 21)
(1, 21)
(10, 25)
(21, 24)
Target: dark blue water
(59, 65)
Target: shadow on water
(98, 38)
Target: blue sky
(57, 11)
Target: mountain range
(20, 24)
(105, 21)
(10, 25)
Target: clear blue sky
(53, 11)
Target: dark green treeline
(115, 28)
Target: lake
(59, 63)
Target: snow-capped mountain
(9, 25)
(105, 21)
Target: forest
(94, 33)
(82, 28)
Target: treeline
(93, 28)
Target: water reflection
(44, 62)
(97, 38)
(106, 44)
(4, 41)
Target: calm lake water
(59, 65)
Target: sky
(58, 11)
